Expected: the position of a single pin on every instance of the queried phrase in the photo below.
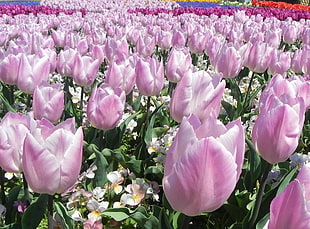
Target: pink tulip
(203, 165)
(297, 62)
(290, 33)
(198, 41)
(32, 71)
(273, 37)
(197, 93)
(278, 127)
(229, 61)
(145, 45)
(280, 62)
(52, 156)
(178, 63)
(258, 57)
(116, 49)
(213, 47)
(48, 102)
(290, 209)
(150, 76)
(121, 75)
(13, 130)
(105, 107)
(164, 39)
(65, 61)
(85, 70)
(9, 69)
(178, 39)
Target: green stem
(50, 210)
(26, 191)
(259, 197)
(11, 99)
(148, 105)
(171, 87)
(81, 104)
(2, 193)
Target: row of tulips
(280, 5)
(127, 65)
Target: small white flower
(76, 216)
(98, 193)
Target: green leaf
(7, 104)
(12, 197)
(34, 213)
(101, 173)
(254, 161)
(286, 180)
(262, 222)
(179, 219)
(62, 212)
(12, 226)
(118, 214)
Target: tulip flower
(178, 63)
(213, 46)
(105, 107)
(197, 93)
(65, 62)
(52, 156)
(178, 39)
(278, 127)
(290, 209)
(198, 41)
(203, 165)
(116, 49)
(164, 39)
(32, 71)
(145, 45)
(13, 130)
(258, 57)
(280, 62)
(48, 102)
(121, 74)
(150, 76)
(85, 70)
(9, 69)
(229, 61)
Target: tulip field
(154, 114)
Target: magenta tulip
(13, 130)
(290, 209)
(178, 63)
(203, 165)
(150, 76)
(197, 93)
(105, 107)
(52, 156)
(48, 102)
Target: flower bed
(154, 118)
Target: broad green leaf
(260, 224)
(118, 214)
(34, 213)
(288, 178)
(62, 211)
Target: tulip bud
(203, 164)
(178, 63)
(105, 107)
(294, 196)
(197, 93)
(13, 130)
(48, 102)
(150, 76)
(9, 69)
(52, 157)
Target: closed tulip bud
(203, 165)
(290, 33)
(150, 76)
(32, 71)
(85, 70)
(229, 61)
(164, 39)
(214, 46)
(290, 209)
(48, 102)
(52, 157)
(105, 107)
(198, 41)
(278, 127)
(258, 57)
(197, 93)
(9, 69)
(178, 39)
(116, 49)
(273, 37)
(13, 130)
(280, 62)
(121, 75)
(296, 62)
(178, 63)
(145, 45)
(65, 61)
